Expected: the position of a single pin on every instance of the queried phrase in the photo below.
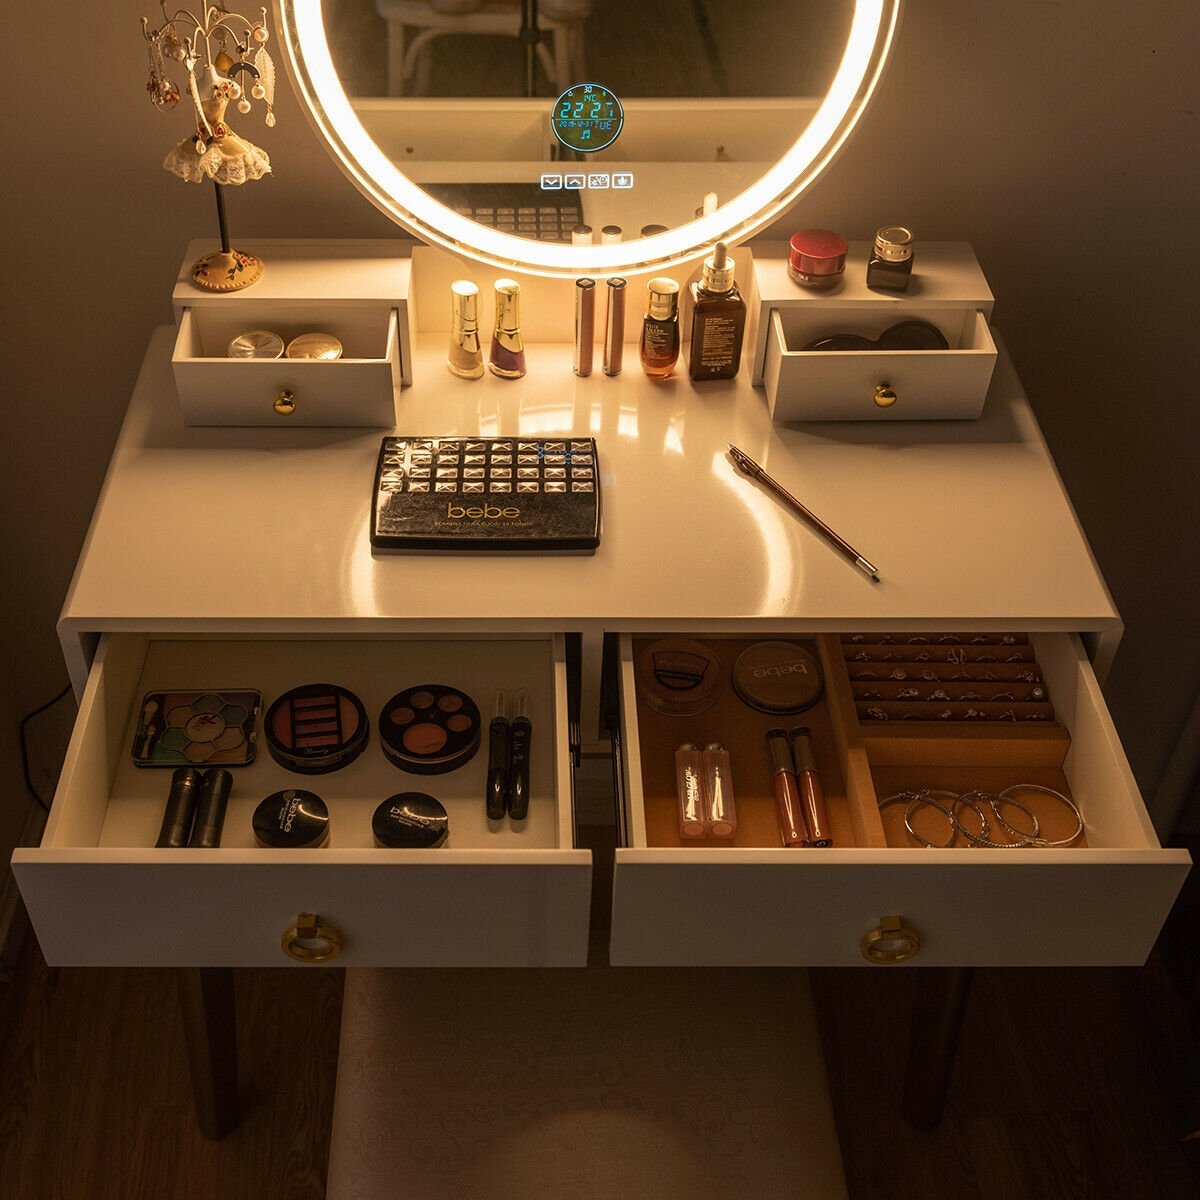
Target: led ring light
(322, 95)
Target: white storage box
(948, 290)
(360, 296)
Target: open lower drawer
(495, 894)
(1101, 900)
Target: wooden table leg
(937, 1018)
(210, 1035)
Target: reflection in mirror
(712, 94)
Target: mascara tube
(787, 794)
(181, 808)
(518, 771)
(210, 809)
(499, 744)
(614, 326)
(585, 325)
(812, 798)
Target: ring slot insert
(1011, 773)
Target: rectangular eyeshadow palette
(486, 495)
(196, 728)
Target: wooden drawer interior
(862, 763)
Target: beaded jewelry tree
(204, 48)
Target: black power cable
(25, 748)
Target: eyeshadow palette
(430, 729)
(316, 728)
(212, 728)
(525, 209)
(486, 495)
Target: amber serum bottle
(718, 320)
(660, 328)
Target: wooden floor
(1066, 1087)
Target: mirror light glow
(322, 95)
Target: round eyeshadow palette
(316, 728)
(430, 729)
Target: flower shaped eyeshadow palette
(479, 495)
(208, 728)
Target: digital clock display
(587, 117)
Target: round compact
(778, 677)
(430, 729)
(314, 345)
(291, 820)
(678, 677)
(316, 728)
(410, 821)
(256, 343)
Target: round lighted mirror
(471, 122)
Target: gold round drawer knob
(891, 942)
(311, 941)
(285, 403)
(884, 396)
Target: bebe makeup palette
(316, 728)
(430, 729)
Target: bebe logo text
(795, 668)
(456, 512)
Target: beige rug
(636, 1083)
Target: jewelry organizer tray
(863, 761)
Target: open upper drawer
(497, 893)
(1101, 900)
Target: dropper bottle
(718, 320)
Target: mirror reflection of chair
(413, 24)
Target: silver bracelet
(1046, 843)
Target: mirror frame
(330, 110)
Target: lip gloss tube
(614, 327)
(496, 788)
(585, 325)
(812, 798)
(721, 812)
(689, 787)
(787, 794)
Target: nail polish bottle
(465, 357)
(718, 320)
(507, 358)
(660, 328)
(891, 262)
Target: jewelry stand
(225, 270)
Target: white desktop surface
(266, 529)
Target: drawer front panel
(499, 893)
(1085, 908)
(392, 908)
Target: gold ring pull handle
(311, 941)
(891, 942)
(285, 403)
(884, 396)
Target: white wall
(1059, 138)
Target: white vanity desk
(256, 539)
